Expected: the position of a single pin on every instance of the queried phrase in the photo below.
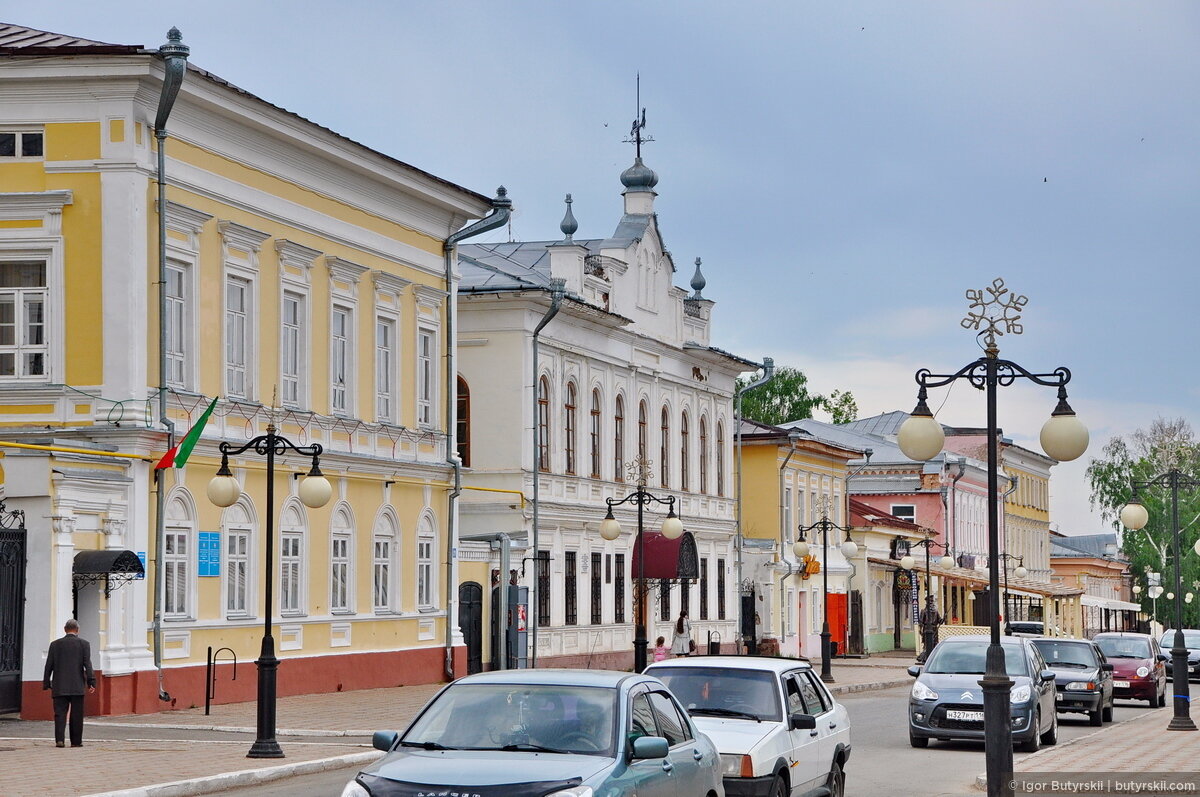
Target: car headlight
(1142, 672)
(1021, 693)
(922, 692)
(574, 791)
(1081, 686)
(355, 789)
(736, 766)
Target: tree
(1147, 453)
(787, 398)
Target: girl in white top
(682, 641)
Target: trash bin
(714, 643)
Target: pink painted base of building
(137, 692)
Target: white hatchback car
(778, 729)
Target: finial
(174, 48)
(698, 281)
(569, 225)
(174, 35)
(502, 200)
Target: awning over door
(113, 567)
(665, 558)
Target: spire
(639, 176)
(568, 225)
(698, 281)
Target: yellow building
(306, 283)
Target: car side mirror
(802, 722)
(1106, 666)
(650, 747)
(1163, 657)
(914, 671)
(1046, 675)
(384, 740)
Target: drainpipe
(793, 436)
(174, 54)
(558, 288)
(501, 211)
(768, 375)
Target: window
(237, 337)
(176, 343)
(720, 589)
(21, 144)
(683, 452)
(237, 561)
(670, 724)
(289, 573)
(23, 302)
(570, 589)
(905, 512)
(704, 589)
(339, 574)
(597, 584)
(619, 590)
(703, 454)
(176, 572)
(463, 422)
(382, 565)
(664, 599)
(787, 513)
(543, 588)
(664, 448)
(385, 370)
(543, 421)
(293, 354)
(619, 440)
(685, 595)
(720, 458)
(643, 424)
(339, 360)
(426, 377)
(569, 443)
(595, 434)
(425, 572)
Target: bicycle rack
(210, 679)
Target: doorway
(470, 623)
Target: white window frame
(426, 382)
(291, 573)
(382, 570)
(16, 244)
(426, 580)
(341, 360)
(237, 562)
(179, 320)
(293, 350)
(183, 253)
(240, 250)
(20, 131)
(910, 515)
(19, 299)
(238, 367)
(341, 536)
(386, 372)
(178, 567)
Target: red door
(837, 620)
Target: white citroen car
(778, 729)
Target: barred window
(543, 588)
(570, 589)
(704, 589)
(619, 590)
(597, 584)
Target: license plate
(966, 716)
(1120, 684)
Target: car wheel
(778, 787)
(918, 741)
(837, 781)
(1050, 737)
(1034, 742)
(1096, 718)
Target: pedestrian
(681, 643)
(68, 674)
(660, 649)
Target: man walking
(68, 673)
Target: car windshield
(729, 692)
(1067, 654)
(1191, 639)
(1124, 647)
(970, 658)
(518, 717)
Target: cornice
(390, 282)
(428, 296)
(241, 236)
(344, 269)
(42, 205)
(186, 220)
(295, 255)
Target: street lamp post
(1134, 516)
(314, 492)
(610, 529)
(1020, 572)
(800, 549)
(995, 311)
(929, 624)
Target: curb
(247, 777)
(179, 726)
(851, 688)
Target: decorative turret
(698, 281)
(638, 177)
(568, 225)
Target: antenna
(639, 122)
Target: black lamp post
(930, 620)
(849, 549)
(997, 311)
(314, 492)
(1134, 516)
(610, 529)
(1021, 572)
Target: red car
(1139, 671)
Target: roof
(16, 40)
(560, 677)
(1083, 546)
(775, 664)
(863, 514)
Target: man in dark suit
(68, 674)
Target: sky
(846, 170)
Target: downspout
(174, 54)
(768, 375)
(558, 289)
(793, 436)
(501, 211)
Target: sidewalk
(142, 765)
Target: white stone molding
(346, 273)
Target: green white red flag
(178, 456)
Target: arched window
(178, 560)
(341, 561)
(543, 422)
(619, 440)
(570, 427)
(703, 454)
(664, 448)
(463, 425)
(383, 557)
(238, 525)
(643, 425)
(291, 560)
(595, 434)
(426, 572)
(720, 458)
(683, 452)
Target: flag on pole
(178, 456)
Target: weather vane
(639, 122)
(999, 308)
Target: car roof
(774, 664)
(1056, 640)
(1004, 640)
(1123, 633)
(559, 677)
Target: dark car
(1083, 677)
(1139, 671)
(947, 701)
(1191, 641)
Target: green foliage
(1145, 455)
(787, 398)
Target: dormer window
(21, 144)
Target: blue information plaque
(209, 550)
